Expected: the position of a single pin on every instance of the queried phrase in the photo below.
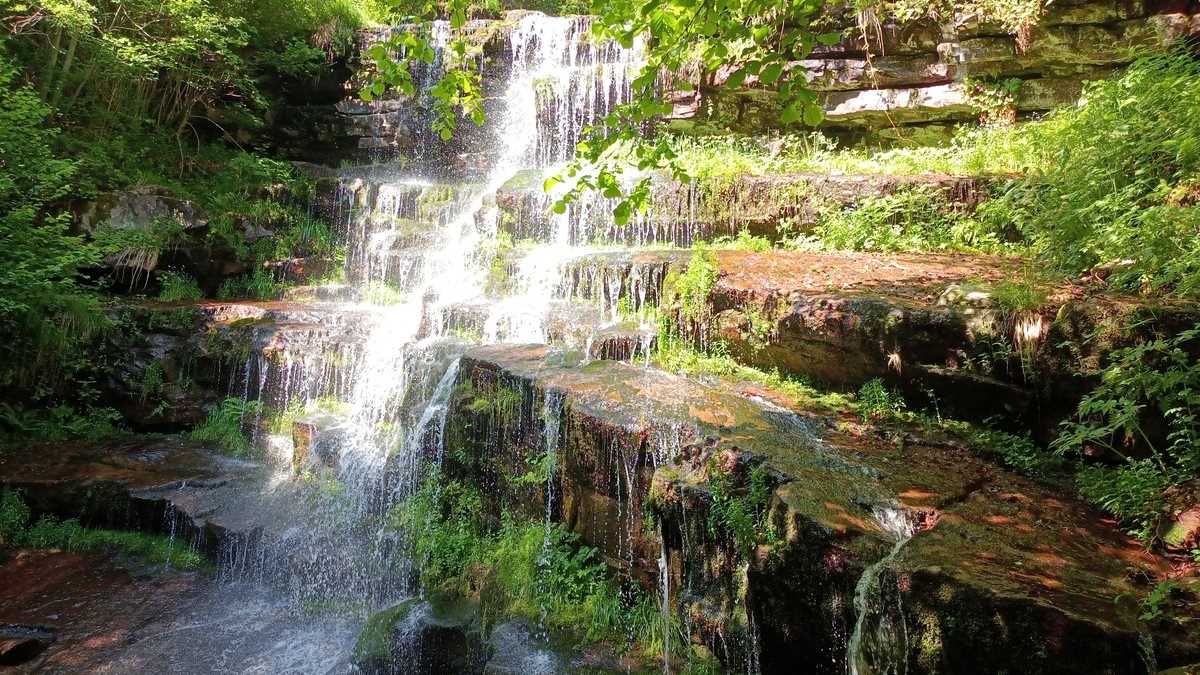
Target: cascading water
(878, 645)
(418, 251)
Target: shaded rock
(317, 439)
(149, 484)
(19, 643)
(138, 209)
(1179, 527)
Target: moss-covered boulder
(422, 637)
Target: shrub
(224, 426)
(911, 219)
(179, 287)
(1157, 379)
(876, 401)
(1106, 192)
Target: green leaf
(813, 115)
(771, 73)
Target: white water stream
(878, 645)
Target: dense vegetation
(17, 528)
(179, 95)
(104, 96)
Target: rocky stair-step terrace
(1001, 573)
(935, 325)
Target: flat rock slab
(923, 322)
(161, 484)
(108, 618)
(88, 605)
(1004, 571)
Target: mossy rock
(440, 635)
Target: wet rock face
(995, 573)
(174, 362)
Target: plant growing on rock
(1157, 379)
(877, 402)
(687, 293)
(225, 424)
(996, 101)
(179, 287)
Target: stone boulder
(1179, 526)
(19, 644)
(422, 637)
(163, 232)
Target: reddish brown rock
(991, 549)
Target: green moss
(375, 638)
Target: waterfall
(373, 370)
(883, 647)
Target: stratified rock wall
(911, 81)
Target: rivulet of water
(879, 643)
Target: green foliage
(678, 356)
(743, 241)
(43, 311)
(69, 535)
(526, 569)
(1017, 452)
(444, 526)
(261, 285)
(1018, 17)
(1110, 185)
(1155, 603)
(996, 101)
(876, 401)
(178, 287)
(57, 423)
(738, 513)
(1132, 492)
(754, 40)
(1155, 380)
(14, 516)
(458, 89)
(911, 219)
(225, 424)
(151, 382)
(297, 59)
(1018, 296)
(382, 293)
(689, 291)
(972, 151)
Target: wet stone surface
(991, 549)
